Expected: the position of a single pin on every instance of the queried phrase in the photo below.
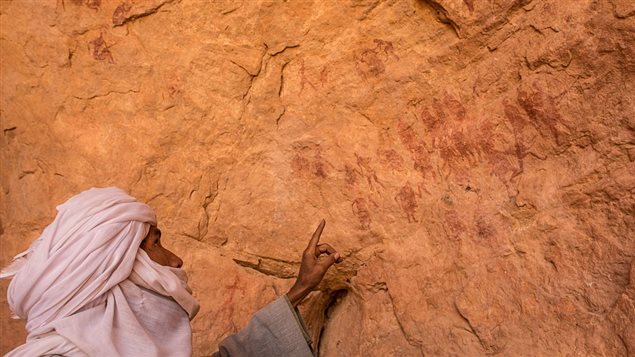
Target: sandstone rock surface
(473, 159)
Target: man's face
(152, 246)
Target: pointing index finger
(316, 236)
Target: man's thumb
(329, 260)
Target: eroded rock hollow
(473, 159)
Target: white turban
(86, 288)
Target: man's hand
(316, 260)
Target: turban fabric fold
(85, 287)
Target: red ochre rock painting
(360, 210)
(91, 4)
(543, 111)
(390, 158)
(120, 14)
(307, 162)
(414, 144)
(314, 77)
(100, 49)
(407, 201)
(372, 61)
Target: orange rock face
(473, 159)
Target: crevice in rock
(411, 340)
(623, 290)
(471, 327)
(203, 225)
(106, 94)
(246, 99)
(443, 16)
(282, 78)
(369, 9)
(257, 267)
(245, 69)
(624, 344)
(335, 298)
(231, 9)
(284, 109)
(505, 18)
(269, 266)
(134, 17)
(25, 173)
(70, 57)
(274, 53)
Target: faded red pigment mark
(543, 110)
(515, 117)
(303, 77)
(453, 223)
(120, 14)
(421, 160)
(390, 158)
(469, 146)
(93, 4)
(227, 308)
(484, 229)
(360, 210)
(320, 170)
(174, 90)
(414, 144)
(350, 175)
(449, 108)
(367, 171)
(407, 136)
(369, 62)
(446, 111)
(501, 161)
(324, 76)
(321, 80)
(385, 47)
(100, 49)
(459, 147)
(430, 121)
(463, 143)
(519, 123)
(407, 201)
(372, 60)
(308, 163)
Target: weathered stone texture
(473, 159)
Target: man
(98, 282)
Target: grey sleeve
(275, 330)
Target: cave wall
(473, 159)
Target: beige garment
(275, 330)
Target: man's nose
(175, 261)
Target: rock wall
(473, 159)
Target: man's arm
(277, 329)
